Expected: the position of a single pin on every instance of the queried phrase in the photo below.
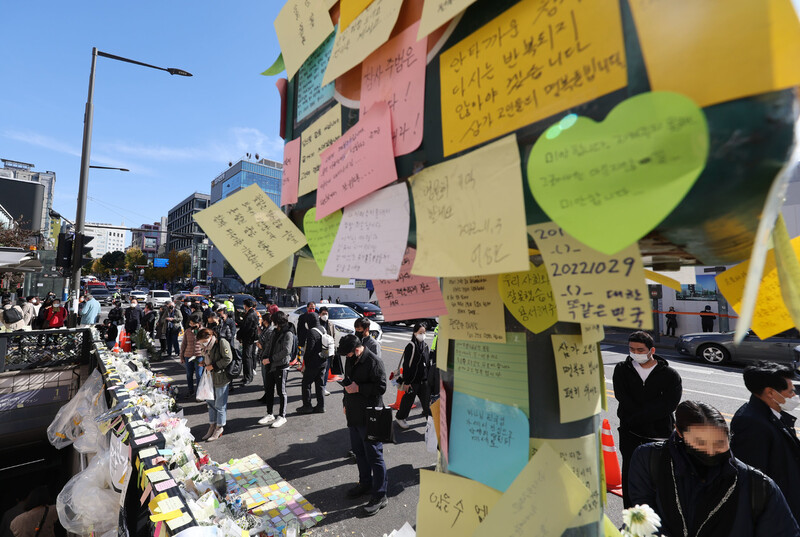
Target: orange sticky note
(349, 10)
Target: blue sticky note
(311, 94)
(488, 441)
(165, 452)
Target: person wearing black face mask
(362, 332)
(698, 488)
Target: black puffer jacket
(366, 371)
(646, 408)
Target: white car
(343, 319)
(141, 296)
(158, 298)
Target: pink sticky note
(164, 485)
(132, 385)
(157, 533)
(147, 490)
(144, 439)
(395, 74)
(359, 162)
(410, 296)
(291, 172)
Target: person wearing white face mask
(763, 428)
(416, 363)
(648, 391)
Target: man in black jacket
(227, 327)
(648, 391)
(763, 430)
(364, 385)
(306, 321)
(115, 314)
(133, 318)
(248, 335)
(186, 312)
(314, 366)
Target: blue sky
(175, 134)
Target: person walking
(361, 326)
(327, 327)
(707, 318)
(416, 364)
(364, 385)
(90, 313)
(314, 362)
(248, 336)
(698, 487)
(191, 351)
(763, 429)
(217, 355)
(647, 390)
(173, 321)
(12, 316)
(276, 358)
(672, 321)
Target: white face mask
(640, 358)
(789, 404)
(323, 317)
(420, 337)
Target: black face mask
(359, 335)
(704, 459)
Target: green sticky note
(608, 184)
(276, 67)
(320, 234)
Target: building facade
(264, 173)
(147, 240)
(183, 234)
(107, 238)
(22, 171)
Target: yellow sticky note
(475, 309)
(307, 274)
(301, 27)
(437, 12)
(592, 287)
(601, 371)
(609, 527)
(366, 33)
(543, 499)
(153, 470)
(788, 269)
(451, 505)
(529, 63)
(179, 521)
(170, 504)
(166, 516)
(529, 298)
(771, 315)
(251, 231)
(153, 505)
(494, 371)
(592, 333)
(576, 369)
(464, 225)
(580, 454)
(443, 343)
(279, 275)
(321, 234)
(657, 277)
(719, 50)
(349, 10)
(318, 136)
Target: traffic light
(84, 248)
(64, 251)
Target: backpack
(234, 369)
(759, 485)
(11, 315)
(328, 343)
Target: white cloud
(41, 140)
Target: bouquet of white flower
(640, 521)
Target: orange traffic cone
(116, 347)
(613, 473)
(125, 341)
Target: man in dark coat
(707, 318)
(364, 385)
(248, 335)
(306, 321)
(763, 430)
(648, 391)
(314, 366)
(133, 318)
(186, 312)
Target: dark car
(238, 306)
(718, 347)
(367, 309)
(103, 296)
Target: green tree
(99, 268)
(133, 257)
(114, 261)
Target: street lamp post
(83, 185)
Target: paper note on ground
(366, 33)
(592, 333)
(488, 441)
(409, 296)
(349, 10)
(251, 232)
(640, 161)
(372, 236)
(307, 274)
(311, 94)
(494, 371)
(320, 234)
(451, 505)
(771, 315)
(576, 369)
(530, 62)
(359, 162)
(301, 26)
(279, 275)
(290, 175)
(435, 13)
(529, 298)
(471, 214)
(395, 74)
(475, 310)
(718, 51)
(318, 136)
(580, 454)
(591, 287)
(543, 500)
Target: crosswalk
(395, 338)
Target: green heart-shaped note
(320, 234)
(608, 184)
(529, 297)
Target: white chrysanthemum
(641, 521)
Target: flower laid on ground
(640, 521)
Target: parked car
(141, 296)
(125, 293)
(367, 309)
(202, 290)
(102, 295)
(343, 319)
(158, 298)
(238, 306)
(718, 347)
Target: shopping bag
(431, 441)
(379, 424)
(205, 389)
